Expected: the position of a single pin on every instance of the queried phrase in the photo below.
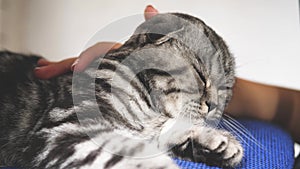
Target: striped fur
(156, 97)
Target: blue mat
(273, 149)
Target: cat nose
(211, 106)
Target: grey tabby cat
(158, 96)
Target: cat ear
(154, 37)
(160, 38)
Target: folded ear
(153, 37)
(158, 38)
(160, 27)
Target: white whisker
(241, 130)
(239, 125)
(236, 134)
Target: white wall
(264, 36)
(1, 29)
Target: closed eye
(171, 90)
(176, 90)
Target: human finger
(53, 69)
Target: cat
(158, 96)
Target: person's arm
(270, 103)
(48, 70)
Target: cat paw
(221, 149)
(212, 146)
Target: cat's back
(15, 68)
(23, 97)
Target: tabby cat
(158, 96)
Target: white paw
(212, 146)
(220, 148)
(233, 153)
(217, 144)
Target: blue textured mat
(275, 149)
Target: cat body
(156, 97)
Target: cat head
(197, 69)
(184, 65)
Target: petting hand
(47, 69)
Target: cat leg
(67, 149)
(129, 153)
(201, 143)
(156, 161)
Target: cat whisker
(235, 134)
(238, 124)
(241, 131)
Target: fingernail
(37, 68)
(74, 64)
(149, 6)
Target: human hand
(46, 69)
